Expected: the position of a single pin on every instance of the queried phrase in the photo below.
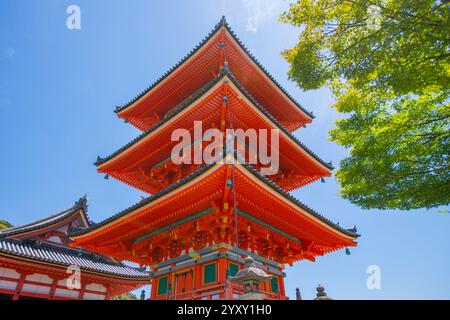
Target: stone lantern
(249, 279)
(321, 295)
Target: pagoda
(200, 219)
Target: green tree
(5, 224)
(125, 296)
(387, 63)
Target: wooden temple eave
(254, 197)
(41, 231)
(130, 163)
(114, 285)
(35, 265)
(180, 194)
(206, 61)
(77, 212)
(201, 230)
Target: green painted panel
(210, 273)
(233, 269)
(274, 284)
(162, 285)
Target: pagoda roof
(79, 208)
(44, 253)
(225, 73)
(310, 215)
(222, 25)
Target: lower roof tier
(265, 211)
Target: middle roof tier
(146, 164)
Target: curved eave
(318, 218)
(222, 24)
(79, 233)
(24, 255)
(101, 162)
(64, 267)
(305, 209)
(49, 222)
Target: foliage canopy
(387, 63)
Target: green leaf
(387, 64)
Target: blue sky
(58, 90)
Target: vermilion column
(282, 289)
(19, 286)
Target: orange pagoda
(201, 220)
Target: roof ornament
(298, 295)
(353, 229)
(81, 203)
(249, 278)
(223, 21)
(321, 295)
(99, 159)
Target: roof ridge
(23, 247)
(40, 223)
(222, 23)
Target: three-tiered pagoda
(201, 220)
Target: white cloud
(259, 11)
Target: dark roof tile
(64, 256)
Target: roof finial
(81, 203)
(298, 295)
(321, 295)
(223, 21)
(99, 160)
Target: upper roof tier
(201, 65)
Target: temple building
(200, 220)
(37, 263)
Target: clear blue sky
(58, 90)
